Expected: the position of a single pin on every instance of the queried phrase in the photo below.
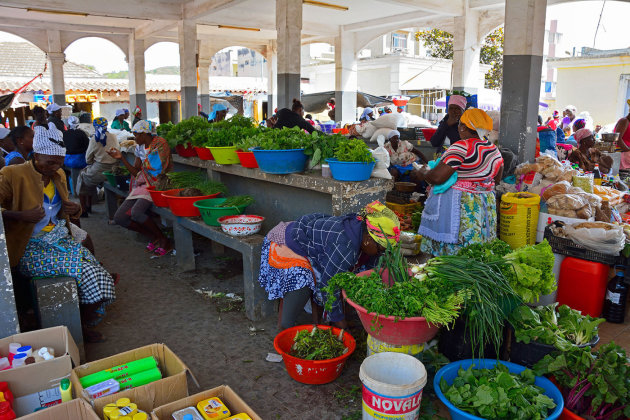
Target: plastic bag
(391, 121)
(567, 202)
(379, 132)
(559, 188)
(584, 181)
(382, 160)
(597, 236)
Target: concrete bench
(257, 305)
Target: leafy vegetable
(236, 201)
(192, 130)
(416, 219)
(283, 139)
(498, 394)
(318, 344)
(532, 273)
(353, 150)
(234, 121)
(322, 147)
(195, 179)
(229, 136)
(164, 129)
(486, 252)
(561, 327)
(594, 384)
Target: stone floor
(157, 304)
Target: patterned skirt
(281, 275)
(478, 224)
(57, 254)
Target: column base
(189, 101)
(204, 100)
(288, 89)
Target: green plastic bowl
(111, 178)
(225, 155)
(210, 212)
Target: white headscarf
(120, 112)
(52, 108)
(48, 141)
(392, 134)
(73, 122)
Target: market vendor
(120, 122)
(54, 111)
(623, 143)
(98, 161)
(299, 258)
(219, 112)
(77, 143)
(401, 155)
(448, 127)
(137, 115)
(37, 211)
(367, 115)
(460, 209)
(293, 117)
(149, 166)
(585, 156)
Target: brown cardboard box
(172, 387)
(25, 380)
(226, 394)
(75, 410)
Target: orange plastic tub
(158, 198)
(203, 153)
(582, 285)
(183, 206)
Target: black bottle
(616, 297)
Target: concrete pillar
(522, 67)
(137, 77)
(272, 82)
(289, 29)
(345, 78)
(187, 31)
(466, 50)
(56, 58)
(204, 85)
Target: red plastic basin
(187, 151)
(402, 332)
(203, 153)
(248, 160)
(158, 198)
(569, 415)
(183, 206)
(313, 372)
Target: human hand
(71, 208)
(33, 215)
(115, 153)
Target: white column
(137, 77)
(272, 74)
(289, 30)
(345, 78)
(204, 85)
(187, 31)
(522, 68)
(466, 52)
(56, 58)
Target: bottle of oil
(616, 296)
(597, 175)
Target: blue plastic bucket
(280, 161)
(350, 171)
(449, 373)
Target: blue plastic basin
(280, 161)
(449, 373)
(350, 171)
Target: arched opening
(161, 64)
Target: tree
(439, 44)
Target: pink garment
(581, 134)
(625, 156)
(458, 100)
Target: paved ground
(157, 304)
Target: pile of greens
(230, 136)
(120, 170)
(353, 150)
(318, 344)
(234, 121)
(283, 139)
(192, 130)
(498, 394)
(164, 129)
(192, 180)
(561, 327)
(321, 147)
(594, 385)
(237, 201)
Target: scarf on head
(382, 224)
(100, 130)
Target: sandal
(160, 252)
(151, 247)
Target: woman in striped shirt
(461, 207)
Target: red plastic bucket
(187, 151)
(183, 206)
(428, 133)
(158, 198)
(569, 415)
(400, 102)
(203, 153)
(313, 372)
(248, 160)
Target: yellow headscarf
(379, 219)
(477, 120)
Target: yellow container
(241, 416)
(518, 216)
(213, 409)
(109, 409)
(377, 346)
(140, 416)
(122, 402)
(403, 208)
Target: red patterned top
(474, 159)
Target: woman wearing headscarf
(623, 143)
(137, 115)
(219, 112)
(401, 155)
(76, 142)
(299, 258)
(34, 198)
(585, 156)
(6, 145)
(98, 161)
(448, 127)
(120, 122)
(54, 111)
(460, 209)
(367, 115)
(149, 166)
(22, 139)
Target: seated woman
(464, 213)
(22, 139)
(293, 117)
(153, 162)
(401, 155)
(120, 121)
(587, 158)
(367, 115)
(299, 258)
(36, 210)
(98, 161)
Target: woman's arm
(438, 138)
(438, 175)
(116, 154)
(419, 154)
(621, 127)
(499, 175)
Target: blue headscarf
(100, 130)
(216, 108)
(365, 115)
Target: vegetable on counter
(191, 179)
(498, 394)
(318, 344)
(353, 150)
(236, 201)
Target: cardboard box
(172, 387)
(226, 394)
(41, 376)
(76, 410)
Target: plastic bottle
(4, 363)
(597, 175)
(6, 412)
(616, 296)
(13, 350)
(18, 359)
(65, 388)
(25, 349)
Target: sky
(577, 22)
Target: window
(399, 42)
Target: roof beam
(400, 20)
(486, 4)
(96, 29)
(149, 29)
(440, 7)
(196, 9)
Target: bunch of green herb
(192, 130)
(283, 139)
(120, 170)
(498, 394)
(208, 187)
(416, 219)
(163, 129)
(237, 201)
(353, 150)
(322, 147)
(561, 327)
(197, 180)
(318, 344)
(486, 252)
(595, 385)
(532, 271)
(230, 136)
(234, 121)
(248, 142)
